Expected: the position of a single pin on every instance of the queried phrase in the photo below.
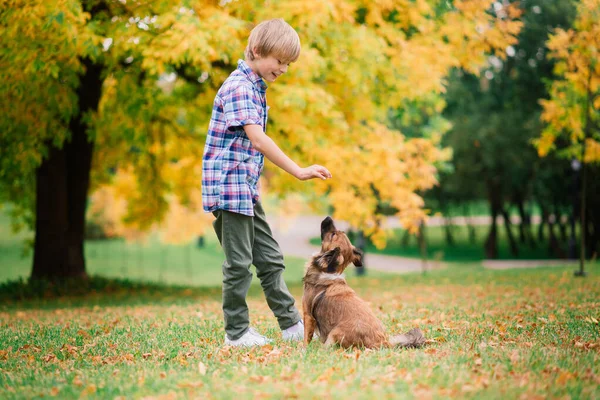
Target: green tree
(495, 116)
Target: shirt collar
(253, 76)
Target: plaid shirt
(230, 165)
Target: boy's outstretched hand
(314, 171)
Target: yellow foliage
(163, 63)
(574, 106)
(183, 223)
(592, 151)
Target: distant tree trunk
(423, 246)
(593, 241)
(543, 219)
(491, 243)
(470, 227)
(448, 231)
(61, 194)
(554, 249)
(405, 238)
(472, 233)
(592, 238)
(562, 226)
(514, 250)
(525, 235)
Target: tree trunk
(448, 231)
(405, 239)
(422, 240)
(61, 194)
(525, 234)
(491, 243)
(554, 248)
(470, 227)
(562, 227)
(544, 218)
(514, 250)
(472, 232)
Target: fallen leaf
(201, 368)
(564, 377)
(191, 385)
(91, 389)
(591, 320)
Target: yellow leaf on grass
(201, 368)
(91, 389)
(564, 377)
(191, 385)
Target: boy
(231, 166)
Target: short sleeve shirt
(231, 167)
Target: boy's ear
(329, 260)
(255, 52)
(357, 257)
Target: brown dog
(333, 309)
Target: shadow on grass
(95, 289)
(101, 291)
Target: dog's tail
(412, 338)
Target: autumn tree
(572, 114)
(107, 92)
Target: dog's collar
(332, 277)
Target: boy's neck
(252, 66)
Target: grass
(530, 333)
(151, 262)
(494, 334)
(463, 250)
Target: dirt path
(293, 235)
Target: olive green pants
(245, 241)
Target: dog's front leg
(309, 328)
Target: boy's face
(269, 68)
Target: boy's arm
(266, 145)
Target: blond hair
(276, 38)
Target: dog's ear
(327, 226)
(357, 257)
(328, 260)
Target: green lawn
(142, 262)
(530, 333)
(493, 334)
